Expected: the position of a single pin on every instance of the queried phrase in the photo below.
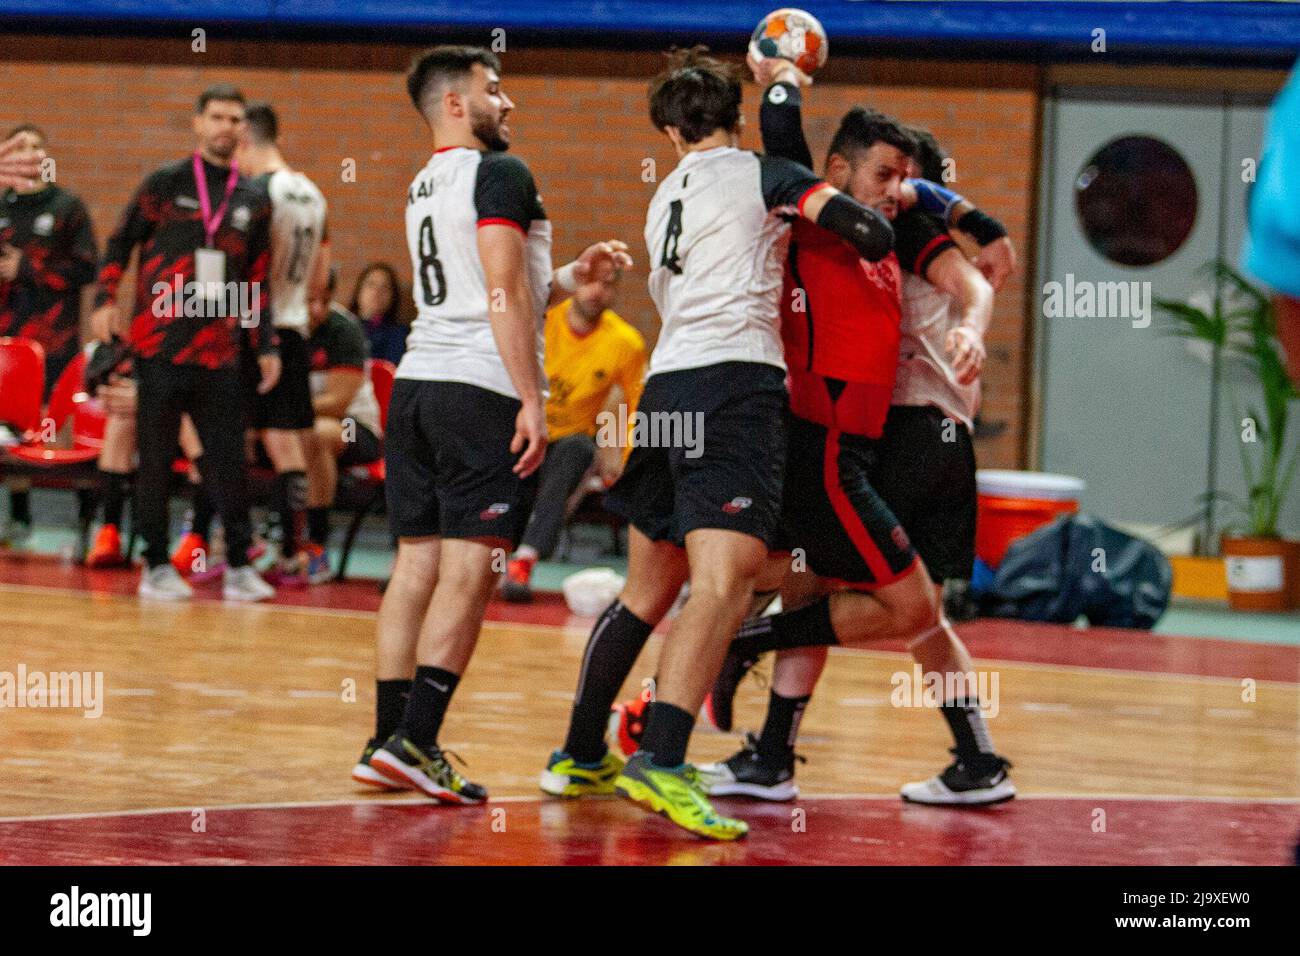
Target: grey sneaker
(245, 584)
(164, 584)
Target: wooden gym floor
(227, 734)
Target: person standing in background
(47, 255)
(282, 417)
(203, 232)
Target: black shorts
(925, 470)
(833, 514)
(710, 453)
(362, 449)
(448, 463)
(288, 406)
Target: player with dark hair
(283, 416)
(466, 427)
(864, 579)
(47, 254)
(203, 232)
(708, 512)
(996, 259)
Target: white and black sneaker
(747, 774)
(964, 786)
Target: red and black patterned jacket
(54, 233)
(165, 221)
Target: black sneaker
(747, 774)
(428, 771)
(717, 706)
(965, 786)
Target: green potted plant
(1262, 566)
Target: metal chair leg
(354, 529)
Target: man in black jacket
(47, 254)
(204, 238)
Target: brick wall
(116, 108)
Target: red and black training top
(53, 231)
(165, 221)
(840, 314)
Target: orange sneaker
(626, 724)
(107, 549)
(191, 554)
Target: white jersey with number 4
(297, 231)
(457, 192)
(717, 232)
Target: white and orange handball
(791, 34)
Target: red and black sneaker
(627, 723)
(718, 705)
(515, 587)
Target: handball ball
(793, 35)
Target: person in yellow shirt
(595, 361)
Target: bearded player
(865, 580)
(466, 428)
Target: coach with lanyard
(200, 297)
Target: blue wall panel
(1130, 26)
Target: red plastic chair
(382, 376)
(69, 469)
(371, 475)
(22, 383)
(69, 400)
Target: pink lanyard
(211, 221)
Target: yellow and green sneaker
(565, 777)
(676, 793)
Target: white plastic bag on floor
(589, 592)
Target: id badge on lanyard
(210, 262)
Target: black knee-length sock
(612, 649)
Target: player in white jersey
(702, 487)
(926, 466)
(299, 255)
(466, 423)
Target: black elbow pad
(867, 230)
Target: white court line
(982, 664)
(814, 797)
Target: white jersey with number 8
(457, 192)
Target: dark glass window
(1136, 200)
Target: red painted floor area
(990, 639)
(845, 831)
